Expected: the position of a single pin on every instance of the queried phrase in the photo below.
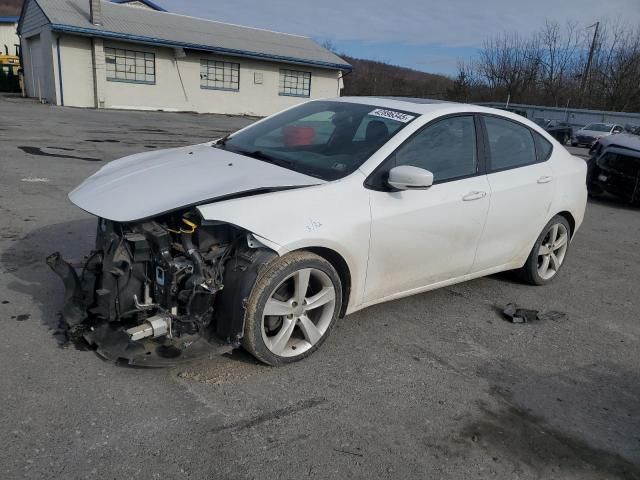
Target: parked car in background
(266, 237)
(614, 168)
(590, 133)
(634, 129)
(561, 131)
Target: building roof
(168, 29)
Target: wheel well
(569, 218)
(339, 263)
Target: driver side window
(446, 148)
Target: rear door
(522, 188)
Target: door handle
(545, 179)
(476, 195)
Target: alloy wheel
(298, 312)
(552, 251)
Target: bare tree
(509, 64)
(548, 68)
(558, 61)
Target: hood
(592, 133)
(151, 183)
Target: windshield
(598, 127)
(324, 139)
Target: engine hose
(194, 254)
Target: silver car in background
(591, 133)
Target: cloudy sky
(426, 35)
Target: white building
(8, 36)
(88, 53)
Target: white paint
(150, 183)
(394, 243)
(35, 180)
(8, 38)
(177, 86)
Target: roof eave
(9, 19)
(191, 46)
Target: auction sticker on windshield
(392, 115)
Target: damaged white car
(266, 237)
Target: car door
(423, 237)
(522, 188)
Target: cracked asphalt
(437, 385)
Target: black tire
(574, 144)
(277, 273)
(529, 272)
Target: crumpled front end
(152, 292)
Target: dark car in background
(614, 168)
(591, 133)
(561, 131)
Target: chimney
(95, 12)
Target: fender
(330, 215)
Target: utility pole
(589, 60)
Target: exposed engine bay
(160, 291)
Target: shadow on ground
(566, 425)
(24, 261)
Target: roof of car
(622, 140)
(423, 106)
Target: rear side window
(543, 147)
(510, 145)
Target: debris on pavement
(524, 315)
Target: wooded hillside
(377, 78)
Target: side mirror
(407, 177)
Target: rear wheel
(292, 308)
(548, 253)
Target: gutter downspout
(341, 81)
(60, 71)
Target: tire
(541, 267)
(574, 144)
(294, 326)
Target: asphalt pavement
(435, 386)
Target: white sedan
(266, 237)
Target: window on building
(219, 75)
(294, 83)
(130, 66)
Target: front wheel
(548, 253)
(292, 308)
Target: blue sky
(422, 34)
